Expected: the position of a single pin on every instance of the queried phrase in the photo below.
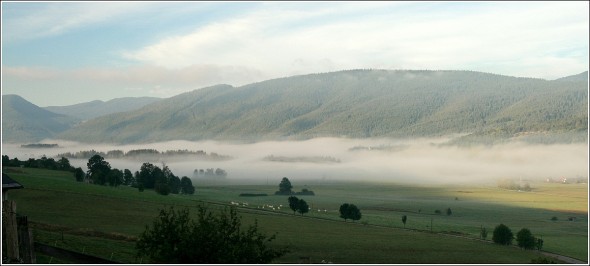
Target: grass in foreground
(54, 198)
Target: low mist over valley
(364, 125)
(287, 132)
(418, 161)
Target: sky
(63, 53)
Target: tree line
(100, 172)
(62, 164)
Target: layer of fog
(408, 161)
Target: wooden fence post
(9, 224)
(25, 238)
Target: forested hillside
(358, 104)
(98, 108)
(23, 121)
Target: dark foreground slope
(357, 104)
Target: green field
(103, 221)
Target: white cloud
(269, 40)
(32, 21)
(58, 18)
(503, 39)
(194, 75)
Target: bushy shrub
(525, 239)
(175, 238)
(502, 235)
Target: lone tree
(344, 211)
(502, 235)
(186, 186)
(404, 219)
(525, 239)
(302, 207)
(483, 233)
(214, 238)
(79, 174)
(128, 178)
(285, 187)
(449, 212)
(350, 211)
(98, 169)
(293, 204)
(539, 244)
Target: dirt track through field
(564, 258)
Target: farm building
(8, 184)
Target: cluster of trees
(210, 172)
(285, 189)
(162, 180)
(213, 238)
(62, 164)
(298, 205)
(525, 239)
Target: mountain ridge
(97, 108)
(356, 104)
(23, 121)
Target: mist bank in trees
(301, 159)
(39, 145)
(146, 154)
(423, 160)
(209, 173)
(382, 147)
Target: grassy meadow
(104, 221)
